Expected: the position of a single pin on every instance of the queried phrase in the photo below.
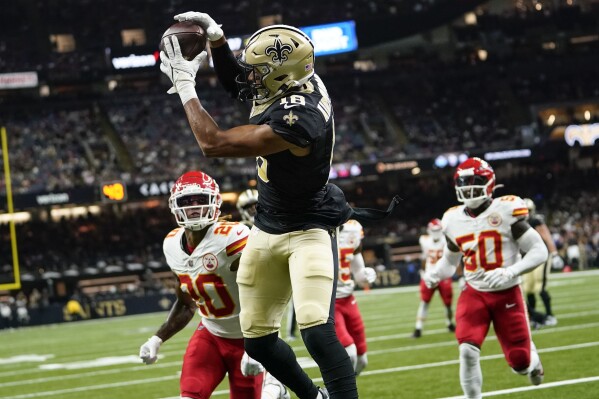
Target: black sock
(532, 300)
(547, 302)
(332, 358)
(279, 359)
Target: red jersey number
(197, 290)
(479, 254)
(344, 264)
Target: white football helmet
(434, 229)
(276, 59)
(195, 200)
(474, 182)
(246, 204)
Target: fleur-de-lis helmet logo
(279, 52)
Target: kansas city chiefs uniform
(431, 250)
(486, 240)
(206, 274)
(350, 238)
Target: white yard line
(533, 388)
(222, 392)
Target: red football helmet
(195, 200)
(474, 182)
(434, 229)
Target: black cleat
(451, 327)
(417, 333)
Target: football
(192, 38)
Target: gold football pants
(535, 281)
(273, 266)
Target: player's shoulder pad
(172, 233)
(513, 206)
(450, 213)
(172, 240)
(422, 239)
(236, 236)
(295, 119)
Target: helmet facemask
(195, 207)
(246, 205)
(250, 81)
(473, 190)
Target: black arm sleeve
(226, 68)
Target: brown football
(192, 38)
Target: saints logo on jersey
(290, 118)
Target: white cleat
(550, 321)
(536, 376)
(271, 384)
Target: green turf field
(98, 359)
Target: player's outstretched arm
(362, 274)
(180, 315)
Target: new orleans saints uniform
(292, 247)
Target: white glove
(250, 366)
(180, 71)
(370, 275)
(149, 351)
(213, 30)
(498, 277)
(557, 263)
(431, 279)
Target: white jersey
(350, 238)
(431, 250)
(206, 274)
(486, 241)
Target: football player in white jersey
(204, 254)
(489, 233)
(432, 245)
(348, 320)
(246, 205)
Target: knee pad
(469, 353)
(519, 360)
(312, 313)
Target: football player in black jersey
(291, 250)
(535, 282)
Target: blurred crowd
(124, 241)
(146, 138)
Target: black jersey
(293, 190)
(294, 193)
